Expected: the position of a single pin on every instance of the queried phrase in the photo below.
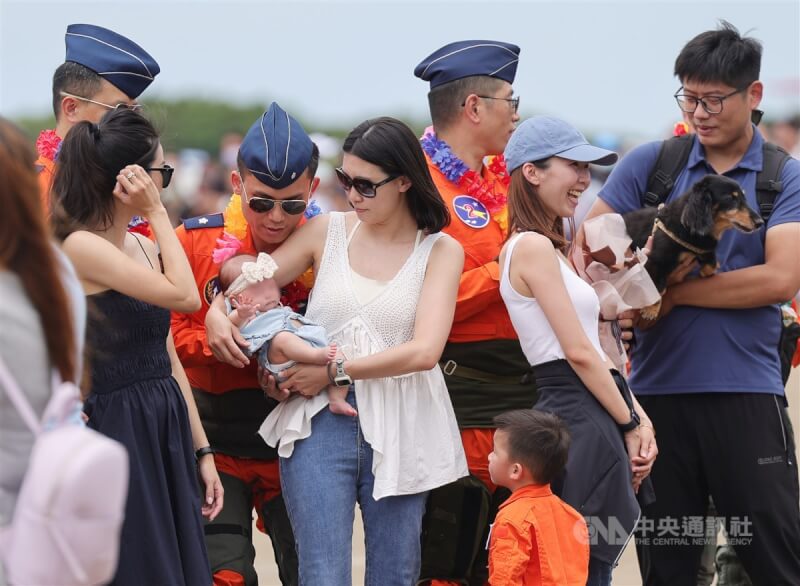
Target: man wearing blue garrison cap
(474, 112)
(276, 166)
(102, 70)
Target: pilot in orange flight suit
(482, 361)
(119, 68)
(232, 406)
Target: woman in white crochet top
(385, 291)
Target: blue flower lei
(443, 157)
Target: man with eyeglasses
(277, 163)
(708, 371)
(474, 113)
(102, 70)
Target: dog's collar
(659, 225)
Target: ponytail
(91, 157)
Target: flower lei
(48, 145)
(473, 184)
(295, 294)
(680, 129)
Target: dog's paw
(651, 311)
(708, 270)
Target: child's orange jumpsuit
(538, 539)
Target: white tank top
(538, 340)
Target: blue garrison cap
(115, 58)
(542, 137)
(276, 149)
(467, 58)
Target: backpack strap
(768, 180)
(671, 160)
(18, 399)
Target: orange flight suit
(231, 404)
(46, 168)
(538, 540)
(480, 312)
(481, 326)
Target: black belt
(452, 368)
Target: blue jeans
(599, 573)
(326, 475)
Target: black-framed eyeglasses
(512, 102)
(120, 106)
(166, 174)
(262, 205)
(363, 186)
(711, 104)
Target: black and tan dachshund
(691, 225)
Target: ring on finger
(130, 176)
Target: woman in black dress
(107, 173)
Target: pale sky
(604, 66)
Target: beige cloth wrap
(618, 276)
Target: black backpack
(670, 162)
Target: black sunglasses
(262, 205)
(166, 174)
(363, 186)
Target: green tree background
(194, 123)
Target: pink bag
(68, 517)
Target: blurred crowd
(203, 184)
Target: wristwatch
(341, 378)
(632, 424)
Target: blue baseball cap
(276, 149)
(542, 137)
(117, 59)
(468, 58)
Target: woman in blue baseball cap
(556, 315)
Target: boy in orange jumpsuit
(537, 539)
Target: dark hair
(311, 169)
(75, 79)
(721, 55)
(447, 100)
(538, 440)
(27, 251)
(526, 212)
(91, 157)
(392, 146)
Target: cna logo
(594, 530)
(665, 531)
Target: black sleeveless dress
(135, 400)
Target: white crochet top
(408, 420)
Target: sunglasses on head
(166, 174)
(262, 205)
(363, 186)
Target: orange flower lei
(235, 224)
